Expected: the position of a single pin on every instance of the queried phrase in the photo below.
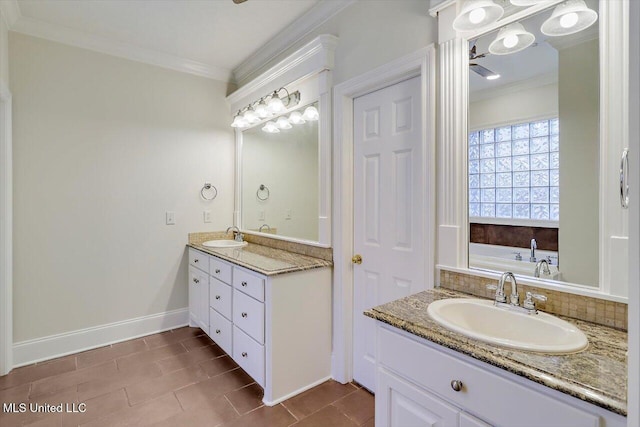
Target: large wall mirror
(534, 150)
(283, 156)
(280, 175)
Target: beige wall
(372, 33)
(514, 107)
(102, 148)
(4, 51)
(579, 159)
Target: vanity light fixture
(512, 38)
(311, 113)
(283, 123)
(271, 127)
(267, 106)
(569, 17)
(476, 14)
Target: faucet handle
(529, 302)
(500, 297)
(518, 255)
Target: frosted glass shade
(477, 14)
(512, 38)
(569, 18)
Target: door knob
(356, 259)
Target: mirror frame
(453, 228)
(309, 67)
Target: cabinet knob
(217, 271)
(244, 314)
(217, 331)
(244, 354)
(196, 260)
(456, 385)
(244, 283)
(217, 296)
(196, 280)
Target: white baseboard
(294, 393)
(40, 349)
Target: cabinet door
(194, 280)
(467, 420)
(401, 404)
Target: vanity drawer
(248, 315)
(249, 355)
(220, 297)
(248, 283)
(221, 331)
(220, 270)
(198, 260)
(488, 395)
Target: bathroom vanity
(428, 375)
(268, 309)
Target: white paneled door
(389, 209)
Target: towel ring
(263, 188)
(209, 186)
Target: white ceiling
(213, 37)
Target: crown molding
(10, 11)
(129, 51)
(538, 81)
(302, 26)
(315, 56)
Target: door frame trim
(420, 63)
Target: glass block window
(513, 171)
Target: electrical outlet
(261, 215)
(207, 216)
(171, 218)
(287, 214)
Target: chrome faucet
(544, 264)
(236, 233)
(264, 226)
(501, 298)
(534, 246)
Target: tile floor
(173, 379)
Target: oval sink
(224, 244)
(480, 319)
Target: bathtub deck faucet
(534, 246)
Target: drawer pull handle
(196, 260)
(456, 385)
(196, 280)
(217, 296)
(244, 354)
(217, 271)
(217, 331)
(244, 314)
(244, 283)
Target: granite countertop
(265, 260)
(597, 375)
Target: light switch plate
(287, 214)
(261, 215)
(206, 216)
(171, 218)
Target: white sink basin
(224, 244)
(480, 319)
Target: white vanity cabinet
(276, 327)
(415, 386)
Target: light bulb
(283, 123)
(275, 104)
(510, 41)
(311, 113)
(477, 15)
(296, 118)
(271, 127)
(239, 121)
(261, 110)
(569, 20)
(493, 77)
(250, 116)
